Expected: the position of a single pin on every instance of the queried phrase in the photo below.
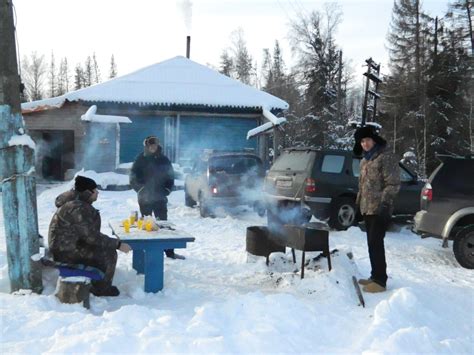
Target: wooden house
(188, 106)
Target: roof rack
(442, 157)
(206, 153)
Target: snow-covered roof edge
(91, 116)
(273, 122)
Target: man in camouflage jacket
(75, 238)
(379, 182)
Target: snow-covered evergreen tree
(63, 77)
(78, 77)
(95, 70)
(226, 66)
(88, 72)
(241, 57)
(312, 38)
(52, 77)
(113, 68)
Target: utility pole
(372, 74)
(339, 88)
(16, 167)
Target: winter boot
(111, 291)
(365, 282)
(172, 255)
(374, 287)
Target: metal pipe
(188, 46)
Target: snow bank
(103, 179)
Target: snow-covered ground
(216, 301)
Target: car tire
(279, 214)
(204, 208)
(343, 213)
(188, 200)
(463, 247)
(272, 218)
(259, 208)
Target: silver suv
(447, 207)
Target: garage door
(221, 133)
(133, 134)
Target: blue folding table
(148, 248)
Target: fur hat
(366, 132)
(83, 183)
(151, 140)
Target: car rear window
(293, 160)
(454, 175)
(235, 165)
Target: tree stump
(74, 290)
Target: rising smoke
(185, 7)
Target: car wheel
(204, 208)
(188, 200)
(259, 208)
(287, 213)
(272, 218)
(463, 247)
(343, 213)
(261, 211)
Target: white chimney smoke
(186, 9)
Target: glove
(384, 211)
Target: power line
(16, 39)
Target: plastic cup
(140, 224)
(148, 226)
(132, 219)
(126, 226)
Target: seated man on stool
(75, 238)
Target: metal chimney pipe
(188, 46)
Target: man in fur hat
(75, 238)
(152, 177)
(379, 182)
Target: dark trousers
(376, 228)
(160, 210)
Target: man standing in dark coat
(379, 182)
(152, 177)
(75, 238)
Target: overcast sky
(143, 32)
